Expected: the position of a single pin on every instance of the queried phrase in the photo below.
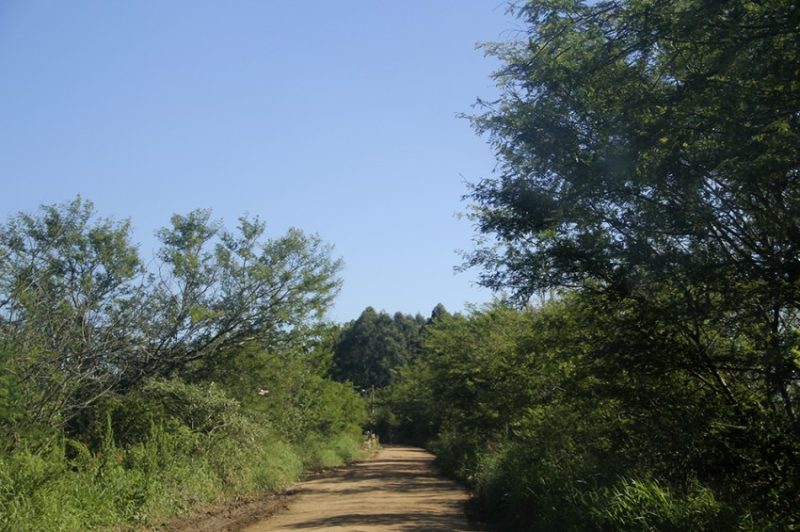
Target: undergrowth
(173, 468)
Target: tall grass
(75, 485)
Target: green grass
(171, 472)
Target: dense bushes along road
(557, 423)
(648, 181)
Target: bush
(646, 504)
(200, 447)
(126, 397)
(319, 453)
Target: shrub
(648, 505)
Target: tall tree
(373, 346)
(217, 289)
(649, 153)
(80, 317)
(70, 306)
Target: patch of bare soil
(398, 489)
(230, 517)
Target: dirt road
(398, 489)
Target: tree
(648, 154)
(217, 290)
(373, 346)
(69, 306)
(439, 312)
(80, 317)
(632, 133)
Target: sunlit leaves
(84, 316)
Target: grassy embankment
(203, 448)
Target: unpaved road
(397, 489)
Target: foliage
(217, 290)
(129, 394)
(370, 348)
(199, 446)
(649, 152)
(82, 318)
(648, 168)
(647, 505)
(170, 471)
(532, 409)
(69, 305)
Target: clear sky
(337, 117)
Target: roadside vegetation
(133, 391)
(641, 370)
(560, 417)
(644, 222)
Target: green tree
(80, 317)
(198, 376)
(70, 305)
(650, 142)
(373, 346)
(521, 404)
(217, 290)
(439, 312)
(648, 156)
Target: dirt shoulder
(230, 517)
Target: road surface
(398, 489)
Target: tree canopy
(649, 151)
(647, 136)
(648, 159)
(86, 317)
(371, 347)
(154, 385)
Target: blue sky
(335, 117)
